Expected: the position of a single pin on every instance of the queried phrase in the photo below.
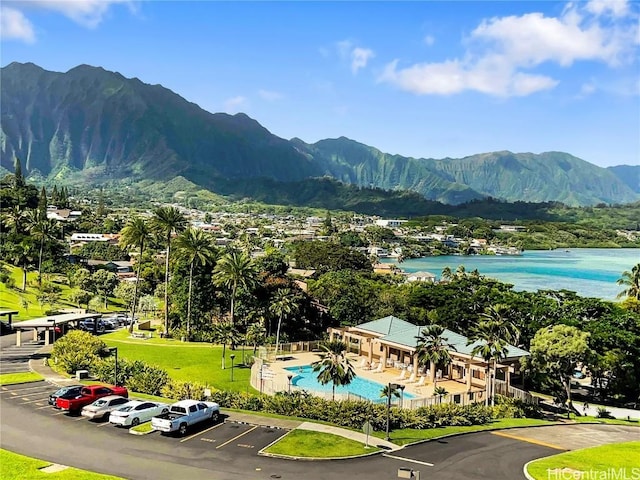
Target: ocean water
(590, 272)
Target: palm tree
(440, 392)
(255, 335)
(490, 338)
(22, 256)
(167, 221)
(447, 274)
(196, 246)
(630, 280)
(225, 333)
(13, 218)
(284, 304)
(433, 346)
(390, 391)
(43, 229)
(234, 270)
(135, 233)
(334, 366)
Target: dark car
(89, 326)
(71, 391)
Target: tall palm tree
(43, 229)
(433, 347)
(22, 256)
(235, 270)
(631, 281)
(284, 304)
(255, 335)
(334, 366)
(491, 339)
(226, 334)
(197, 248)
(136, 233)
(390, 390)
(14, 218)
(167, 221)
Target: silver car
(101, 408)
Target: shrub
(77, 350)
(604, 413)
(151, 380)
(183, 390)
(507, 407)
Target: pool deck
(389, 375)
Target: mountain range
(93, 126)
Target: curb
(134, 432)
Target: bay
(590, 272)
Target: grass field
(311, 444)
(16, 378)
(19, 467)
(618, 460)
(194, 362)
(27, 302)
(409, 435)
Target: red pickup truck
(88, 395)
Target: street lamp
(401, 387)
(391, 388)
(289, 377)
(115, 350)
(232, 356)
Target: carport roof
(57, 319)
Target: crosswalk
(15, 359)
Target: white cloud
(236, 104)
(429, 40)
(502, 52)
(15, 26)
(88, 13)
(269, 96)
(359, 58)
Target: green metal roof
(401, 332)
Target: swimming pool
(306, 379)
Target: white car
(136, 412)
(101, 408)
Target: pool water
(306, 379)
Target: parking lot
(228, 436)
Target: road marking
(407, 460)
(27, 401)
(46, 406)
(529, 440)
(237, 436)
(104, 424)
(59, 413)
(24, 389)
(210, 440)
(200, 433)
(244, 445)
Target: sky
(424, 79)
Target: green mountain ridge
(93, 126)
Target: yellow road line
(200, 433)
(529, 440)
(237, 436)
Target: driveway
(229, 451)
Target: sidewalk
(38, 366)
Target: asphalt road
(228, 451)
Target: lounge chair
(373, 366)
(402, 376)
(412, 378)
(363, 363)
(421, 381)
(380, 368)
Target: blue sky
(422, 79)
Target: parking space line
(395, 457)
(200, 433)
(27, 401)
(237, 436)
(46, 406)
(529, 440)
(58, 413)
(103, 424)
(26, 389)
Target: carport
(9, 314)
(49, 324)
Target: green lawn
(306, 443)
(194, 362)
(598, 462)
(19, 467)
(15, 378)
(609, 421)
(409, 435)
(15, 298)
